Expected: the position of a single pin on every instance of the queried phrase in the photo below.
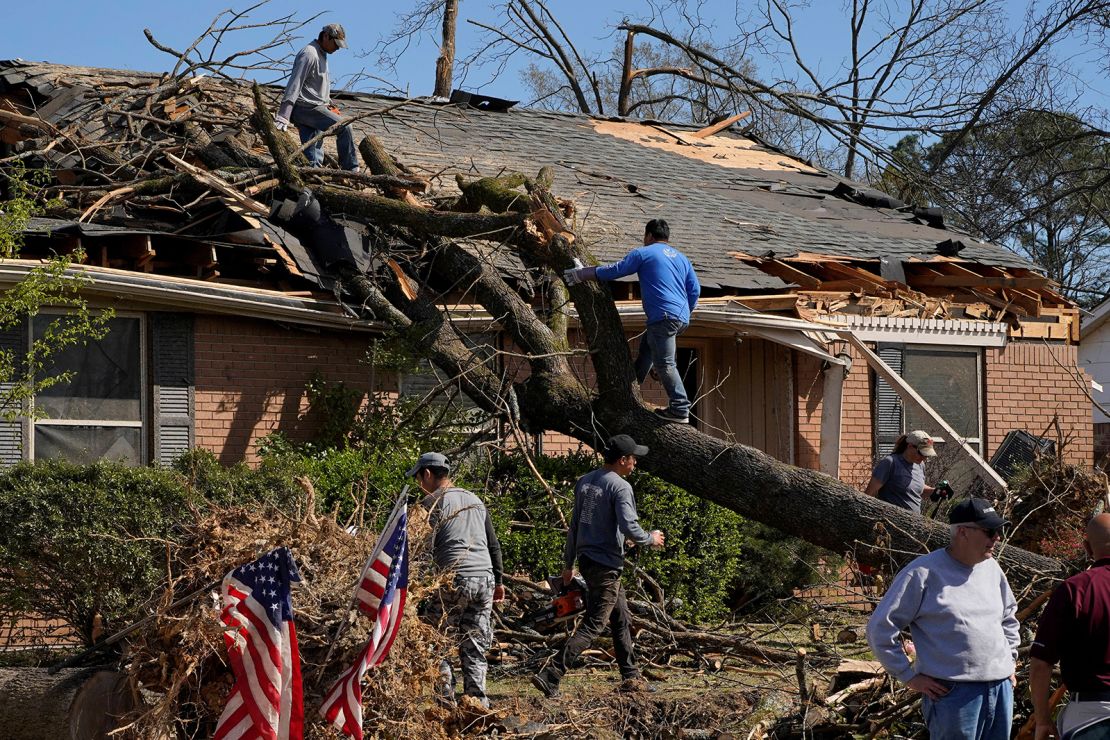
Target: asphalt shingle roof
(720, 195)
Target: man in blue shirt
(669, 290)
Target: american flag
(381, 596)
(265, 702)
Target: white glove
(281, 123)
(574, 276)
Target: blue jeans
(971, 710)
(657, 347)
(311, 121)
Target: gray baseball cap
(335, 32)
(429, 460)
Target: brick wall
(1027, 383)
(251, 376)
(857, 436)
(856, 439)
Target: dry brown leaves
(179, 660)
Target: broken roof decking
(723, 194)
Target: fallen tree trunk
(799, 502)
(74, 704)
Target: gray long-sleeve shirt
(962, 620)
(604, 515)
(308, 82)
(463, 539)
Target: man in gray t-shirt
(465, 545)
(604, 515)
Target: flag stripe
(381, 596)
(266, 700)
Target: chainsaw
(569, 601)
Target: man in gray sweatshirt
(960, 612)
(306, 101)
(465, 545)
(604, 515)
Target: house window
(950, 380)
(98, 414)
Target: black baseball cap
(625, 445)
(977, 511)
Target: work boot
(546, 684)
(636, 685)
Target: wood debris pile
(179, 659)
(1049, 503)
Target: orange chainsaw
(569, 601)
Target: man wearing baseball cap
(604, 516)
(960, 611)
(307, 99)
(465, 545)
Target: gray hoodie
(961, 619)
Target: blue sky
(111, 34)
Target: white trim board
(961, 332)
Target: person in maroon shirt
(1075, 630)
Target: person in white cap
(307, 99)
(899, 478)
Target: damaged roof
(725, 196)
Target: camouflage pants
(463, 612)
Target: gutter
(194, 295)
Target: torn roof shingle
(721, 194)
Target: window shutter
(12, 340)
(172, 353)
(888, 404)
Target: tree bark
(445, 64)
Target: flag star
(250, 567)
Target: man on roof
(669, 290)
(307, 99)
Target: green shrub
(714, 561)
(83, 541)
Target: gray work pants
(463, 611)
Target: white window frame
(29, 422)
(979, 395)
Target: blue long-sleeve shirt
(668, 286)
(604, 515)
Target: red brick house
(826, 306)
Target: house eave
(169, 293)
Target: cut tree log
(75, 704)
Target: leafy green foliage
(24, 375)
(86, 541)
(358, 460)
